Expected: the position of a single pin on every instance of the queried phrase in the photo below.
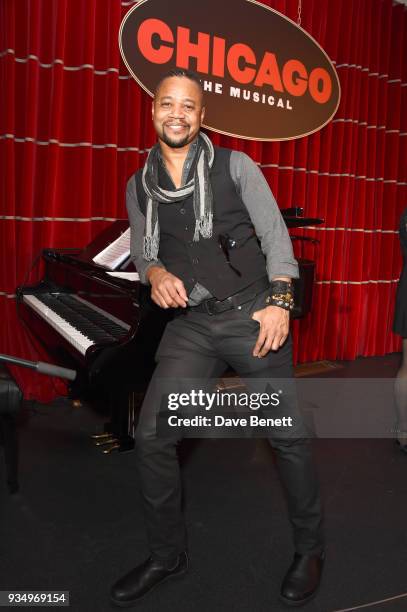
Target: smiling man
(208, 237)
(179, 129)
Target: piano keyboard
(81, 323)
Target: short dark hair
(180, 72)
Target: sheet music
(115, 253)
(131, 276)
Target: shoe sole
(128, 604)
(297, 604)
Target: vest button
(182, 211)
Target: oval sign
(264, 77)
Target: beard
(171, 142)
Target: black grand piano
(107, 328)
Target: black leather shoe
(302, 579)
(142, 579)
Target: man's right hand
(167, 290)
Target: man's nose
(177, 110)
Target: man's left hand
(274, 327)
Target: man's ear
(202, 113)
(152, 109)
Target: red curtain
(74, 126)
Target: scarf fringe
(204, 226)
(150, 247)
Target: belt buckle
(208, 307)
(225, 305)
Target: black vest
(204, 261)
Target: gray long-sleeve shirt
(264, 213)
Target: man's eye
(189, 107)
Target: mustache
(178, 123)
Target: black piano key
(94, 316)
(87, 325)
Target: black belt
(214, 306)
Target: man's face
(178, 111)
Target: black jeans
(200, 346)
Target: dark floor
(76, 523)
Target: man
(192, 211)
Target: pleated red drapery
(74, 126)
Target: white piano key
(68, 331)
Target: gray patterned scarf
(199, 185)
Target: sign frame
(220, 131)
